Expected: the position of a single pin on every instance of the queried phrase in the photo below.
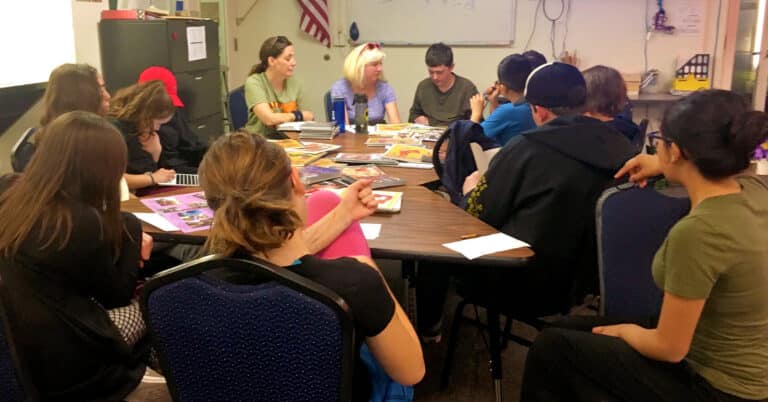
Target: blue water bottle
(337, 113)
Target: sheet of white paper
(483, 245)
(196, 43)
(156, 221)
(371, 230)
(415, 165)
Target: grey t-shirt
(443, 108)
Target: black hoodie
(543, 188)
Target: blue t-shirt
(507, 121)
(376, 113)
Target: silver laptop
(183, 179)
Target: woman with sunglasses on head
(260, 212)
(710, 341)
(138, 112)
(272, 93)
(363, 74)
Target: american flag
(314, 20)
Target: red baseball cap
(168, 79)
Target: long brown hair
(247, 182)
(139, 104)
(82, 158)
(71, 87)
(272, 47)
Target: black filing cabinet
(130, 46)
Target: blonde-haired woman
(363, 74)
(261, 213)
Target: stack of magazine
(318, 130)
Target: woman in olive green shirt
(711, 339)
(272, 94)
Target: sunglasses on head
(370, 46)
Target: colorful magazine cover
(352, 157)
(188, 212)
(350, 174)
(409, 153)
(288, 143)
(315, 148)
(397, 139)
(302, 159)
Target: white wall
(85, 18)
(600, 31)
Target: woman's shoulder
(341, 85)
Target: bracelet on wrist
(151, 177)
(298, 115)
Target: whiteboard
(423, 22)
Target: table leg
(494, 337)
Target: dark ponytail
(272, 47)
(716, 130)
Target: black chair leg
(494, 338)
(453, 339)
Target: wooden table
(416, 233)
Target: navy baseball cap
(556, 85)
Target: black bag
(459, 162)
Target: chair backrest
(328, 103)
(632, 223)
(13, 384)
(22, 150)
(234, 329)
(238, 109)
(482, 157)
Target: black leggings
(571, 364)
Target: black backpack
(459, 162)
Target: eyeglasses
(655, 137)
(369, 46)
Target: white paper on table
(371, 230)
(156, 221)
(483, 245)
(196, 43)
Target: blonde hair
(354, 64)
(247, 182)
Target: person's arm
(397, 348)
(640, 169)
(356, 203)
(110, 281)
(136, 181)
(270, 118)
(393, 115)
(671, 339)
(416, 114)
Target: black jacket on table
(56, 301)
(542, 188)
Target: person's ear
(296, 183)
(674, 152)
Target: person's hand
(150, 142)
(476, 104)
(640, 168)
(421, 120)
(163, 175)
(470, 182)
(308, 116)
(358, 201)
(492, 94)
(611, 330)
(146, 248)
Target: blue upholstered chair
(238, 109)
(632, 223)
(13, 384)
(230, 329)
(22, 150)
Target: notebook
(183, 179)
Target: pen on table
(469, 236)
